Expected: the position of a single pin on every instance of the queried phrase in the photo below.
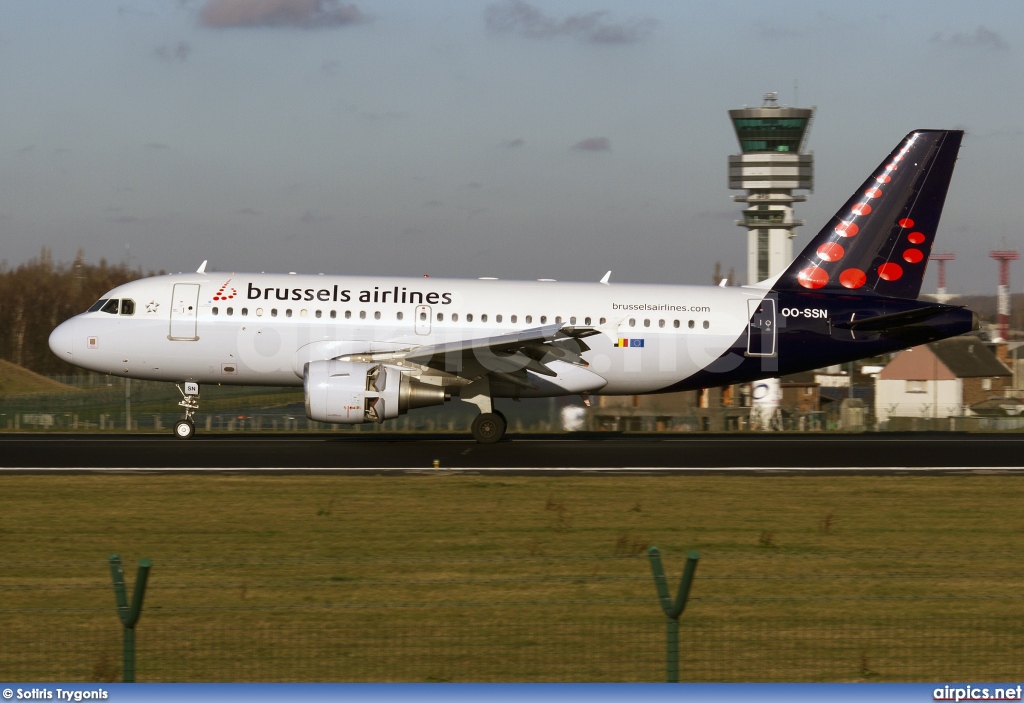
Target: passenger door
(761, 335)
(184, 311)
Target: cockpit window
(97, 305)
(127, 306)
(110, 307)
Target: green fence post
(129, 615)
(673, 609)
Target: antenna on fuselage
(202, 267)
(607, 277)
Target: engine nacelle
(352, 393)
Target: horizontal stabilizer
(881, 323)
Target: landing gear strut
(185, 428)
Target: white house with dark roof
(942, 379)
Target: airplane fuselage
(262, 329)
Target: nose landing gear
(185, 428)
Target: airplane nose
(61, 339)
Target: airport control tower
(771, 165)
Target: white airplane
(368, 348)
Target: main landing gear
(490, 425)
(185, 428)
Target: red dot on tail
(913, 256)
(906, 222)
(916, 237)
(861, 209)
(852, 278)
(831, 251)
(812, 277)
(890, 272)
(847, 229)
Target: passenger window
(661, 323)
(455, 317)
(214, 311)
(401, 316)
(604, 320)
(497, 318)
(632, 322)
(483, 318)
(543, 319)
(469, 317)
(690, 324)
(586, 320)
(259, 312)
(334, 314)
(572, 320)
(273, 312)
(675, 323)
(362, 314)
(318, 314)
(440, 317)
(529, 319)
(558, 319)
(231, 311)
(97, 305)
(348, 314)
(288, 312)
(245, 312)
(303, 313)
(423, 316)
(376, 315)
(127, 306)
(647, 323)
(514, 320)
(706, 324)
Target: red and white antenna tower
(940, 294)
(1004, 257)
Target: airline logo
(622, 343)
(222, 293)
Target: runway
(520, 454)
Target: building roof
(949, 359)
(968, 357)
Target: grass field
(462, 577)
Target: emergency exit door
(422, 319)
(184, 311)
(761, 335)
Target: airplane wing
(505, 357)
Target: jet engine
(352, 393)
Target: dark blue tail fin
(879, 241)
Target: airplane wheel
(184, 429)
(488, 428)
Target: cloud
(156, 146)
(519, 17)
(179, 52)
(309, 217)
(248, 211)
(27, 149)
(593, 144)
(304, 14)
(124, 220)
(513, 143)
(982, 38)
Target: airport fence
(526, 649)
(532, 619)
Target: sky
(507, 138)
